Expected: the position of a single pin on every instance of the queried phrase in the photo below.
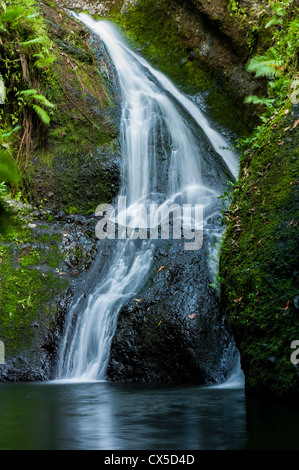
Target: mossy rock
(259, 263)
(78, 161)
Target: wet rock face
(82, 168)
(174, 330)
(54, 255)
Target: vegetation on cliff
(258, 263)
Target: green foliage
(235, 9)
(267, 65)
(8, 169)
(32, 94)
(26, 59)
(278, 64)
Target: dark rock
(177, 333)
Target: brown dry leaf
(296, 123)
(193, 315)
(161, 268)
(259, 241)
(286, 307)
(238, 300)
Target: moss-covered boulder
(259, 258)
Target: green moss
(72, 162)
(145, 24)
(165, 33)
(258, 262)
(30, 280)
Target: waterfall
(164, 162)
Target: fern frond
(8, 169)
(256, 100)
(30, 92)
(42, 114)
(265, 65)
(30, 42)
(43, 100)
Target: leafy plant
(268, 65)
(31, 95)
(278, 64)
(8, 169)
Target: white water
(161, 164)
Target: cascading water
(162, 164)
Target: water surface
(113, 416)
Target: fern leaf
(42, 114)
(38, 40)
(256, 100)
(265, 65)
(30, 92)
(8, 169)
(43, 100)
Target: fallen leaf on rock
(138, 300)
(161, 268)
(193, 315)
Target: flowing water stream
(164, 162)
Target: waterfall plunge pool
(118, 416)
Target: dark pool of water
(107, 416)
